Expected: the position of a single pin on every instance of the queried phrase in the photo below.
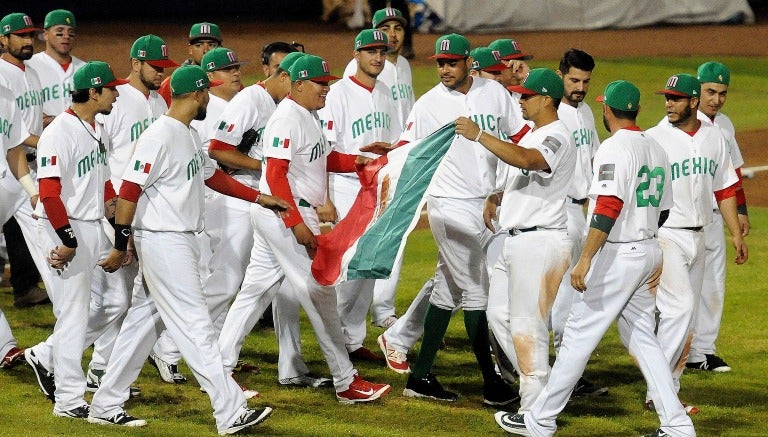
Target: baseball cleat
(245, 367)
(364, 354)
(513, 423)
(711, 363)
(307, 380)
(498, 394)
(586, 388)
(80, 412)
(657, 433)
(250, 417)
(93, 382)
(397, 361)
(44, 377)
(690, 410)
(428, 387)
(168, 372)
(386, 323)
(12, 358)
(122, 419)
(361, 390)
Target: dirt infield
(111, 42)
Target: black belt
(578, 201)
(693, 228)
(31, 157)
(514, 231)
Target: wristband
(67, 236)
(742, 209)
(122, 233)
(479, 134)
(258, 196)
(29, 185)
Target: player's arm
(277, 179)
(607, 210)
(512, 154)
(124, 213)
(226, 184)
(726, 201)
(31, 141)
(50, 195)
(741, 205)
(17, 162)
(326, 212)
(232, 156)
(492, 202)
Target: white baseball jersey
(293, 133)
(632, 166)
(170, 166)
(397, 77)
(581, 123)
(206, 128)
(131, 114)
(12, 128)
(729, 132)
(249, 109)
(699, 165)
(537, 197)
(56, 82)
(25, 86)
(71, 151)
(468, 169)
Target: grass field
(732, 404)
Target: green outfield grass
(733, 404)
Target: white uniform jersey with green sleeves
(729, 132)
(249, 109)
(170, 166)
(56, 84)
(468, 170)
(12, 128)
(131, 114)
(25, 86)
(537, 198)
(632, 166)
(293, 133)
(580, 121)
(206, 128)
(699, 165)
(355, 116)
(69, 150)
(398, 79)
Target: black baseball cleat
(428, 387)
(248, 418)
(44, 377)
(711, 363)
(513, 423)
(586, 388)
(498, 394)
(657, 433)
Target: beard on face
(24, 53)
(201, 112)
(605, 123)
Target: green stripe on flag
(137, 166)
(377, 248)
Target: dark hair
(81, 96)
(578, 59)
(624, 115)
(279, 47)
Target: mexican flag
(367, 241)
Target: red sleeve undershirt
(109, 191)
(727, 192)
(226, 184)
(165, 90)
(130, 191)
(520, 134)
(277, 179)
(220, 145)
(609, 206)
(50, 195)
(741, 199)
(341, 162)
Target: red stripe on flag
(231, 126)
(286, 142)
(147, 167)
(53, 160)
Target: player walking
(203, 37)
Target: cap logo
(142, 53)
(445, 45)
(96, 81)
(391, 12)
(205, 28)
(720, 77)
(672, 82)
(325, 67)
(211, 65)
(358, 43)
(629, 105)
(496, 55)
(27, 20)
(68, 20)
(377, 35)
(475, 65)
(303, 73)
(164, 50)
(6, 28)
(231, 56)
(199, 83)
(516, 46)
(544, 89)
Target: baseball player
(630, 195)
(72, 172)
(359, 110)
(237, 144)
(514, 58)
(466, 175)
(162, 195)
(576, 71)
(297, 157)
(273, 53)
(700, 164)
(533, 214)
(715, 78)
(202, 38)
(55, 66)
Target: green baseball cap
(387, 14)
(219, 59)
(453, 46)
(17, 23)
(190, 78)
(683, 85)
(371, 38)
(289, 59)
(714, 72)
(96, 74)
(311, 67)
(59, 17)
(509, 49)
(485, 59)
(152, 50)
(541, 81)
(621, 95)
(205, 30)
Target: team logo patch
(96, 81)
(143, 167)
(672, 82)
(48, 161)
(164, 50)
(205, 29)
(142, 53)
(27, 20)
(552, 144)
(325, 67)
(232, 56)
(211, 65)
(378, 35)
(281, 142)
(606, 172)
(391, 12)
(7, 28)
(358, 44)
(496, 55)
(199, 83)
(224, 126)
(445, 45)
(515, 46)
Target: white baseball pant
(7, 341)
(172, 299)
(277, 257)
(616, 287)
